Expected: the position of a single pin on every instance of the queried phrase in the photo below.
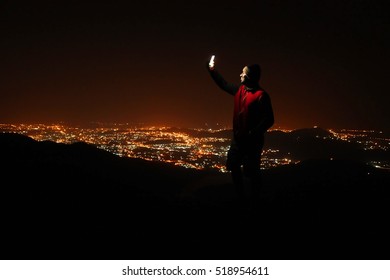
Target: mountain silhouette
(75, 201)
(302, 144)
(318, 143)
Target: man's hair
(254, 72)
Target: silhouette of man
(252, 117)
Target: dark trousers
(243, 160)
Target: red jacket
(253, 114)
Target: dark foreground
(78, 202)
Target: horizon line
(204, 126)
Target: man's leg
(256, 184)
(233, 164)
(238, 181)
(253, 172)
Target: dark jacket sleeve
(220, 81)
(267, 116)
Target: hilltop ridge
(76, 201)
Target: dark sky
(324, 63)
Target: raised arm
(220, 81)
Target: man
(253, 116)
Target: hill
(79, 202)
(312, 143)
(304, 144)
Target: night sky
(324, 63)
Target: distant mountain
(310, 133)
(302, 144)
(78, 202)
(223, 133)
(317, 143)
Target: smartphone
(211, 63)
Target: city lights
(189, 148)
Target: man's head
(251, 74)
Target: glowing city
(190, 148)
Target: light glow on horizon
(200, 148)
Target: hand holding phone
(211, 63)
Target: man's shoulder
(262, 92)
(265, 91)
